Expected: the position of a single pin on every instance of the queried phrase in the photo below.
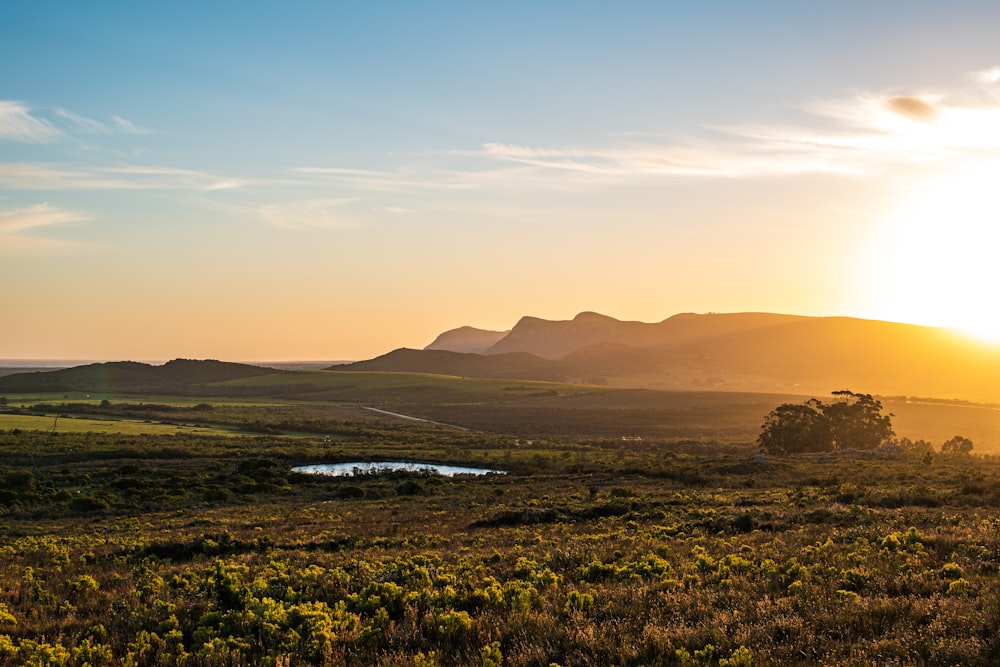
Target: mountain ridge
(752, 351)
(466, 339)
(741, 352)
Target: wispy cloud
(405, 179)
(17, 123)
(630, 159)
(39, 215)
(16, 225)
(309, 214)
(82, 123)
(128, 127)
(28, 176)
(174, 178)
(859, 134)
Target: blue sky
(333, 180)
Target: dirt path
(416, 419)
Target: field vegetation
(286, 402)
(128, 548)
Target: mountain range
(762, 352)
(741, 352)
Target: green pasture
(26, 399)
(79, 424)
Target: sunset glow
(333, 181)
(936, 260)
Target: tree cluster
(957, 445)
(851, 421)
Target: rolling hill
(130, 376)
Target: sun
(936, 259)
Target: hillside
(734, 352)
(126, 376)
(515, 365)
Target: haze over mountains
(737, 351)
(746, 352)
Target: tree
(957, 445)
(792, 427)
(853, 421)
(856, 421)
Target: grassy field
(537, 409)
(76, 424)
(523, 409)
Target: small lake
(373, 468)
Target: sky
(334, 180)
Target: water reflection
(371, 468)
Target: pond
(373, 468)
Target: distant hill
(756, 352)
(466, 339)
(515, 365)
(124, 376)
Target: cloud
(308, 214)
(857, 134)
(29, 176)
(880, 129)
(915, 108)
(14, 224)
(987, 76)
(225, 184)
(82, 123)
(128, 127)
(39, 215)
(630, 159)
(575, 160)
(335, 171)
(865, 133)
(175, 178)
(407, 179)
(18, 124)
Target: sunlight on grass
(76, 424)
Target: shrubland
(131, 549)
